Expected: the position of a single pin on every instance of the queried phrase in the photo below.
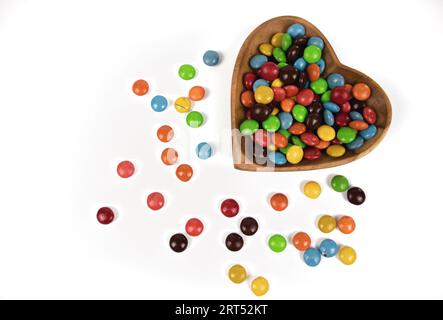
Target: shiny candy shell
(336, 150)
(369, 133)
(277, 158)
(204, 150)
(326, 223)
(347, 255)
(312, 257)
(257, 61)
(328, 248)
(264, 95)
(294, 154)
(182, 105)
(312, 189)
(211, 58)
(159, 103)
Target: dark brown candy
(313, 121)
(178, 242)
(249, 226)
(315, 107)
(356, 196)
(293, 54)
(261, 112)
(357, 105)
(288, 75)
(234, 242)
(302, 80)
(301, 42)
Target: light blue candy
(296, 30)
(312, 257)
(300, 64)
(211, 58)
(277, 157)
(322, 64)
(357, 143)
(328, 117)
(204, 150)
(355, 115)
(257, 61)
(259, 83)
(328, 248)
(331, 106)
(316, 41)
(286, 120)
(335, 80)
(369, 133)
(159, 103)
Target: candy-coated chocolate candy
(294, 154)
(356, 196)
(155, 201)
(313, 71)
(297, 141)
(369, 133)
(194, 119)
(248, 127)
(284, 132)
(230, 208)
(357, 105)
(300, 64)
(331, 106)
(258, 83)
(311, 153)
(293, 53)
(194, 227)
(279, 55)
(247, 99)
(277, 243)
(275, 111)
(342, 119)
(299, 112)
(309, 139)
(280, 141)
(288, 75)
(328, 117)
(266, 49)
(312, 257)
(178, 242)
(262, 137)
(277, 83)
(285, 149)
(249, 79)
(322, 145)
(264, 95)
(346, 224)
(287, 104)
(279, 201)
(125, 169)
(234, 242)
(182, 105)
(197, 93)
(312, 189)
(291, 90)
(316, 41)
(339, 183)
(282, 65)
(305, 97)
(257, 61)
(186, 72)
(260, 112)
(319, 86)
(355, 115)
(361, 91)
(345, 107)
(184, 172)
(346, 134)
(340, 95)
(328, 248)
(105, 215)
(301, 241)
(326, 97)
(303, 81)
(286, 41)
(296, 30)
(260, 286)
(335, 80)
(140, 87)
(326, 223)
(271, 124)
(369, 115)
(347, 255)
(204, 150)
(312, 54)
(169, 156)
(248, 114)
(211, 58)
(315, 107)
(268, 71)
(165, 133)
(276, 39)
(277, 158)
(279, 94)
(249, 226)
(159, 103)
(358, 125)
(335, 150)
(237, 273)
(297, 128)
(322, 64)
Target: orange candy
(361, 91)
(301, 241)
(358, 125)
(280, 140)
(346, 224)
(297, 128)
(247, 99)
(165, 133)
(196, 93)
(140, 87)
(322, 144)
(313, 72)
(287, 104)
(279, 202)
(169, 156)
(184, 172)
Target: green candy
(186, 72)
(319, 86)
(248, 127)
(285, 133)
(286, 41)
(277, 243)
(282, 65)
(312, 54)
(299, 112)
(339, 183)
(279, 55)
(297, 141)
(271, 124)
(285, 149)
(346, 134)
(326, 97)
(194, 119)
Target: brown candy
(288, 75)
(315, 107)
(261, 112)
(356, 196)
(249, 226)
(178, 242)
(313, 121)
(234, 242)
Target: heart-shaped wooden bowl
(262, 34)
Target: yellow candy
(266, 49)
(272, 147)
(277, 83)
(347, 255)
(260, 286)
(294, 154)
(237, 273)
(274, 111)
(264, 95)
(276, 39)
(336, 150)
(326, 133)
(326, 224)
(182, 105)
(312, 189)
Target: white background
(68, 116)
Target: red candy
(305, 97)
(248, 114)
(309, 138)
(125, 169)
(279, 94)
(369, 115)
(194, 227)
(311, 153)
(269, 71)
(342, 119)
(340, 95)
(230, 208)
(346, 107)
(156, 201)
(291, 90)
(105, 215)
(280, 140)
(249, 79)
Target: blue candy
(300, 64)
(286, 120)
(331, 106)
(159, 103)
(296, 30)
(335, 80)
(355, 115)
(312, 257)
(259, 83)
(257, 61)
(357, 143)
(369, 133)
(204, 150)
(277, 157)
(316, 41)
(328, 117)
(322, 64)
(328, 248)
(211, 58)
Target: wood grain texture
(262, 34)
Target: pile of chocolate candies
(294, 111)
